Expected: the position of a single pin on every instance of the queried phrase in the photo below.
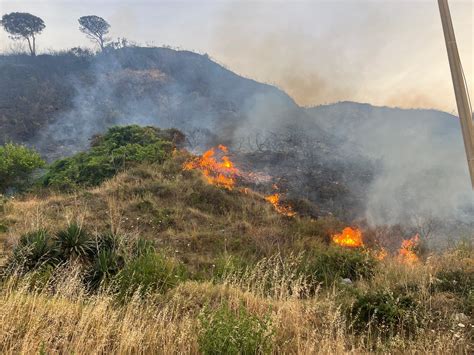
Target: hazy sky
(385, 52)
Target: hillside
(420, 155)
(158, 259)
(356, 161)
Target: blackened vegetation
(347, 159)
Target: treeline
(24, 26)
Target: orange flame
(221, 173)
(275, 201)
(407, 251)
(350, 237)
(380, 254)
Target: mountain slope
(355, 160)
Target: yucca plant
(74, 243)
(106, 242)
(105, 265)
(33, 250)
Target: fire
(350, 237)
(220, 172)
(380, 254)
(275, 201)
(407, 251)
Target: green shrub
(105, 265)
(150, 272)
(74, 242)
(225, 331)
(229, 265)
(109, 154)
(331, 264)
(385, 312)
(457, 281)
(142, 247)
(164, 218)
(17, 163)
(32, 251)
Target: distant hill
(354, 160)
(420, 155)
(86, 94)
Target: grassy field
(227, 272)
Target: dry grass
(67, 320)
(162, 204)
(166, 205)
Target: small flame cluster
(216, 167)
(407, 252)
(285, 210)
(349, 237)
(219, 170)
(352, 238)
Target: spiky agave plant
(33, 250)
(74, 243)
(106, 264)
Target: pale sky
(384, 52)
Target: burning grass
(216, 167)
(408, 250)
(285, 210)
(218, 170)
(349, 237)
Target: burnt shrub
(385, 313)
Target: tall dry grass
(63, 318)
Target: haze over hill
(387, 165)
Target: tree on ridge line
(23, 25)
(95, 28)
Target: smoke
(422, 168)
(386, 53)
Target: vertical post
(460, 86)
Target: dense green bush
(17, 163)
(225, 331)
(150, 272)
(385, 312)
(111, 153)
(332, 264)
